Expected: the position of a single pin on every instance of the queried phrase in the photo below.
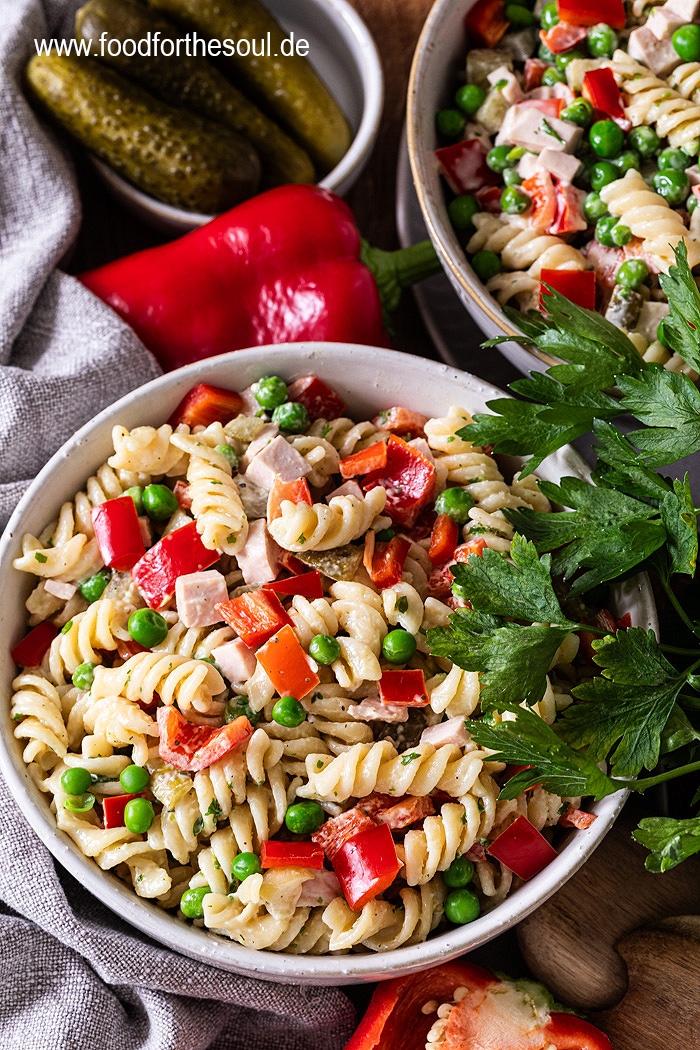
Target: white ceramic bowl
(440, 51)
(369, 379)
(343, 53)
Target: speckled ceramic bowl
(369, 379)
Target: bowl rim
(213, 948)
(436, 226)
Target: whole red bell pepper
(286, 266)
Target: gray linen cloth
(73, 975)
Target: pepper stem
(394, 271)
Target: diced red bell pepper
(577, 285)
(366, 865)
(569, 217)
(486, 22)
(287, 666)
(31, 650)
(319, 400)
(465, 550)
(290, 563)
(489, 199)
(440, 581)
(113, 807)
(254, 616)
(118, 533)
(522, 849)
(601, 90)
(401, 421)
(191, 747)
(406, 811)
(562, 37)
(332, 835)
(290, 854)
(128, 647)
(550, 107)
(364, 461)
(512, 771)
(205, 404)
(308, 584)
(624, 623)
(534, 71)
(294, 491)
(403, 687)
(409, 480)
(181, 492)
(591, 12)
(464, 166)
(577, 818)
(177, 554)
(540, 190)
(375, 803)
(388, 560)
(443, 539)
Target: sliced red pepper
(443, 539)
(388, 560)
(401, 421)
(567, 1032)
(403, 687)
(308, 584)
(319, 400)
(601, 90)
(577, 818)
(562, 37)
(127, 647)
(624, 623)
(191, 747)
(366, 865)
(113, 809)
(364, 461)
(290, 563)
(332, 835)
(177, 554)
(290, 854)
(440, 581)
(406, 811)
(409, 480)
(118, 533)
(287, 666)
(512, 771)
(486, 22)
(534, 71)
(540, 190)
(591, 12)
(254, 616)
(577, 285)
(181, 492)
(569, 217)
(295, 491)
(32, 649)
(465, 550)
(205, 404)
(464, 166)
(522, 849)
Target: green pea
(462, 906)
(691, 204)
(579, 112)
(76, 780)
(549, 16)
(93, 588)
(136, 493)
(398, 646)
(486, 265)
(79, 803)
(84, 675)
(459, 873)
(138, 815)
(271, 392)
(621, 235)
(519, 17)
(191, 902)
(498, 159)
(384, 535)
(632, 274)
(626, 160)
(450, 123)
(462, 210)
(237, 706)
(602, 40)
(514, 201)
(686, 42)
(691, 148)
(229, 453)
(672, 159)
(291, 417)
(511, 177)
(593, 207)
(134, 779)
(159, 502)
(606, 138)
(545, 54)
(603, 230)
(672, 185)
(644, 140)
(456, 502)
(303, 818)
(469, 98)
(147, 627)
(553, 76)
(603, 173)
(562, 61)
(244, 865)
(324, 649)
(288, 712)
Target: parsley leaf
(678, 732)
(629, 705)
(621, 467)
(681, 524)
(682, 326)
(671, 841)
(529, 741)
(522, 589)
(669, 403)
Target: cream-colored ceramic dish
(369, 379)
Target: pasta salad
(570, 152)
(227, 690)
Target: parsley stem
(666, 584)
(660, 778)
(677, 651)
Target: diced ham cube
(321, 890)
(535, 131)
(605, 261)
(348, 488)
(511, 90)
(528, 165)
(235, 660)
(563, 166)
(259, 558)
(663, 22)
(197, 594)
(278, 459)
(373, 708)
(659, 56)
(146, 531)
(693, 174)
(564, 92)
(422, 445)
(540, 94)
(59, 589)
(452, 731)
(251, 405)
(266, 435)
(650, 317)
(687, 10)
